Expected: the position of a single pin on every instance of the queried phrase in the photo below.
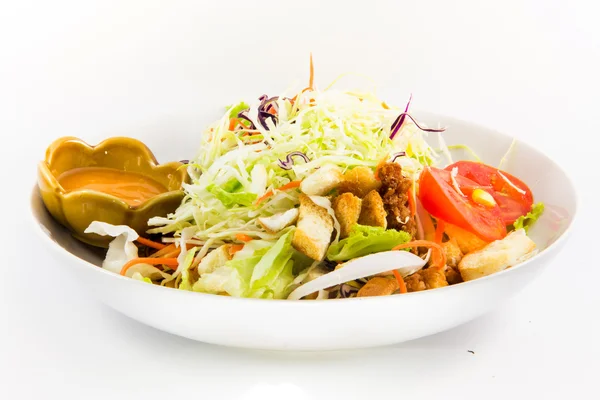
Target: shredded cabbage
(233, 168)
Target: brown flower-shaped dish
(77, 209)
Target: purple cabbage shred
(289, 162)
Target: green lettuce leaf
(226, 279)
(241, 106)
(364, 240)
(139, 277)
(272, 263)
(230, 199)
(526, 221)
(185, 283)
(267, 273)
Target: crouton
(277, 222)
(314, 229)
(213, 260)
(347, 210)
(378, 286)
(322, 181)
(467, 241)
(497, 256)
(372, 212)
(359, 181)
(430, 278)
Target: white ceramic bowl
(334, 324)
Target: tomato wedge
(441, 199)
(513, 202)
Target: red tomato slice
(439, 197)
(513, 203)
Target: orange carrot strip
(172, 262)
(440, 256)
(291, 185)
(150, 243)
(235, 248)
(170, 251)
(439, 231)
(411, 203)
(163, 251)
(174, 254)
(264, 197)
(233, 122)
(242, 237)
(401, 283)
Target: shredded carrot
(411, 202)
(150, 243)
(235, 248)
(233, 123)
(311, 79)
(172, 262)
(438, 258)
(439, 231)
(291, 185)
(242, 237)
(401, 283)
(293, 99)
(173, 254)
(164, 250)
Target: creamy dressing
(131, 187)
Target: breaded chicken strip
(394, 192)
(430, 278)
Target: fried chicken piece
(452, 275)
(394, 192)
(373, 212)
(453, 257)
(452, 252)
(430, 278)
(347, 208)
(359, 181)
(378, 286)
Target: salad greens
(266, 273)
(270, 199)
(526, 221)
(234, 169)
(364, 240)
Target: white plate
(333, 324)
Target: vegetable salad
(324, 194)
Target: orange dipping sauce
(131, 187)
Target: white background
(99, 68)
